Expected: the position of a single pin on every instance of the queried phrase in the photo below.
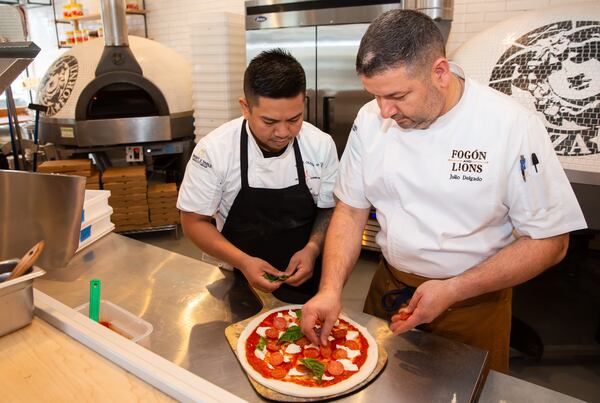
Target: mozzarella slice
(295, 372)
(261, 331)
(270, 366)
(327, 378)
(260, 354)
(293, 349)
(279, 315)
(286, 358)
(330, 338)
(292, 324)
(348, 365)
(292, 314)
(351, 353)
(337, 322)
(311, 346)
(351, 335)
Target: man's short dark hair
(273, 74)
(399, 38)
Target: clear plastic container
(122, 322)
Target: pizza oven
(126, 90)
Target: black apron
(273, 224)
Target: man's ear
(440, 72)
(245, 107)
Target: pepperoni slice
(278, 373)
(335, 368)
(325, 351)
(340, 333)
(272, 346)
(275, 359)
(280, 323)
(303, 341)
(340, 354)
(311, 353)
(352, 345)
(272, 333)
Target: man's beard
(434, 102)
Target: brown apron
(482, 321)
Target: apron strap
(299, 163)
(244, 156)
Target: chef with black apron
(267, 180)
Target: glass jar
(133, 5)
(78, 36)
(67, 11)
(70, 38)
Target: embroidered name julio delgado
(467, 161)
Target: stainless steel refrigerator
(324, 37)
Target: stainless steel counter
(190, 303)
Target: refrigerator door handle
(307, 108)
(328, 113)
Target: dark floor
(561, 306)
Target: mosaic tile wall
(549, 60)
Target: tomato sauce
(308, 380)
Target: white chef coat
(449, 197)
(212, 178)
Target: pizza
(275, 353)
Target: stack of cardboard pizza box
(81, 167)
(128, 187)
(162, 203)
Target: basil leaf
(315, 366)
(290, 335)
(283, 277)
(270, 277)
(261, 344)
(299, 313)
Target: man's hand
(301, 265)
(324, 307)
(429, 300)
(254, 270)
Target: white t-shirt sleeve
(543, 205)
(201, 189)
(329, 173)
(349, 186)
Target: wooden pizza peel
(233, 332)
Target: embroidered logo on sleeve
(199, 159)
(467, 165)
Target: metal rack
(76, 21)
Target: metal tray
(233, 332)
(16, 297)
